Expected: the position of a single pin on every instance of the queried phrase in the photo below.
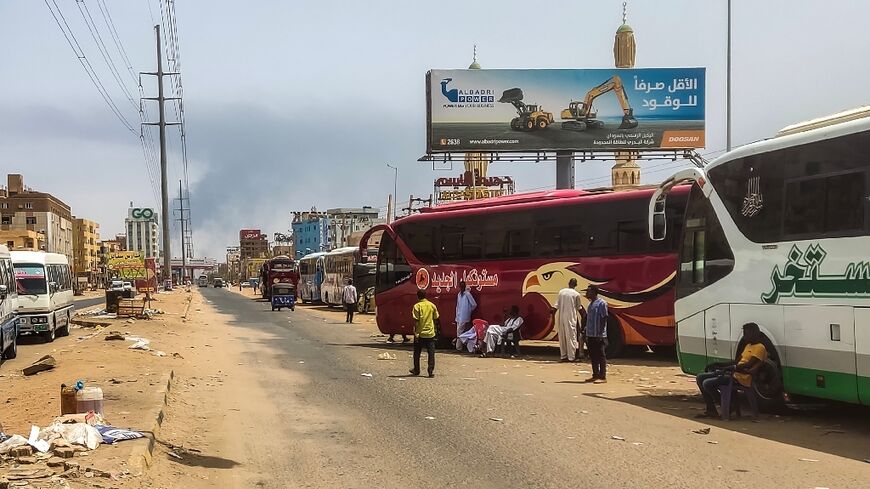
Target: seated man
(467, 339)
(495, 332)
(753, 356)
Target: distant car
(203, 281)
(218, 283)
(127, 286)
(116, 285)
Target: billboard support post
(564, 170)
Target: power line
(119, 45)
(101, 47)
(86, 64)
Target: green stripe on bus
(836, 385)
(694, 364)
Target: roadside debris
(386, 356)
(617, 437)
(430, 417)
(114, 336)
(138, 343)
(702, 431)
(45, 363)
(807, 460)
(496, 419)
(366, 374)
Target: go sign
(145, 213)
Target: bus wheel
(50, 335)
(615, 340)
(65, 330)
(11, 351)
(768, 381)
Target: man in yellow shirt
(425, 316)
(754, 354)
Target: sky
(297, 104)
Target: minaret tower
(476, 163)
(626, 171)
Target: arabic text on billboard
(249, 234)
(550, 110)
(127, 265)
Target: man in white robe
(495, 332)
(568, 307)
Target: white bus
(778, 233)
(311, 277)
(45, 293)
(338, 269)
(8, 307)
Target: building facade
(142, 231)
(310, 232)
(86, 249)
(253, 244)
(343, 222)
(23, 239)
(24, 209)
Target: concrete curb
(142, 455)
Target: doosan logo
(684, 139)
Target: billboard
(141, 214)
(149, 283)
(127, 265)
(249, 234)
(578, 110)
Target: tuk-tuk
(283, 295)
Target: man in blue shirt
(596, 335)
(465, 305)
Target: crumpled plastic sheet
(76, 434)
(13, 441)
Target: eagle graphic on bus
(548, 279)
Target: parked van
(45, 293)
(8, 307)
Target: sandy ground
(131, 380)
(279, 400)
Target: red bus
(281, 269)
(522, 249)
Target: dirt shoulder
(133, 381)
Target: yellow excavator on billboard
(580, 116)
(529, 117)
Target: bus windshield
(30, 279)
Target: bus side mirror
(658, 220)
(4, 291)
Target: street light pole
(395, 187)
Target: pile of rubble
(48, 454)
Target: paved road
(295, 411)
(93, 301)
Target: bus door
(717, 334)
(820, 351)
(862, 353)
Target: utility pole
(164, 184)
(728, 85)
(182, 219)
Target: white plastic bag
(76, 434)
(13, 442)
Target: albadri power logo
(461, 97)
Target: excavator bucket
(511, 95)
(628, 120)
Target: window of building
(6, 220)
(28, 205)
(10, 244)
(4, 205)
(30, 220)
